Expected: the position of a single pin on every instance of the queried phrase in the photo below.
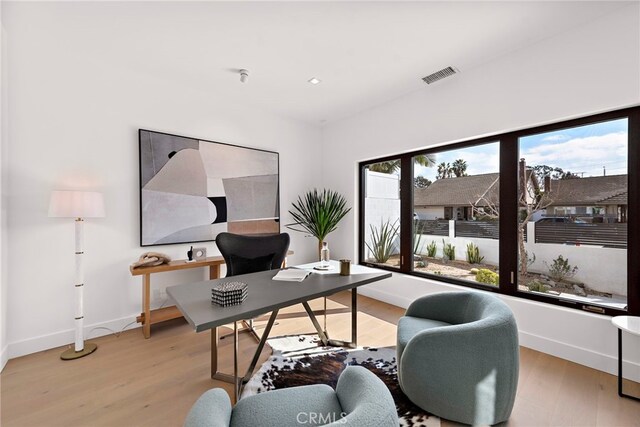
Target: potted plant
(318, 213)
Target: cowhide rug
(298, 360)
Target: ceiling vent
(439, 75)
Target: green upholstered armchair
(361, 399)
(458, 356)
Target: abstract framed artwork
(192, 189)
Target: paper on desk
(292, 275)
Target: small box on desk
(229, 293)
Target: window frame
(508, 241)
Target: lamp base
(71, 353)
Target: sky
(582, 150)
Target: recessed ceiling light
(314, 80)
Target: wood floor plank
(137, 382)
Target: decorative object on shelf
(78, 205)
(150, 259)
(318, 213)
(229, 293)
(199, 254)
(190, 254)
(345, 267)
(192, 189)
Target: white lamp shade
(76, 204)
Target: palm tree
(392, 166)
(459, 168)
(444, 171)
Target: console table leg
(146, 305)
(214, 271)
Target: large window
(457, 213)
(546, 213)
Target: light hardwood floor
(131, 381)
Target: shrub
(561, 269)
(449, 251)
(432, 249)
(488, 277)
(383, 240)
(537, 286)
(473, 254)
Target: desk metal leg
(238, 382)
(324, 337)
(620, 393)
(215, 374)
(263, 340)
(354, 317)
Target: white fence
(382, 202)
(601, 269)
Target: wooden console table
(150, 317)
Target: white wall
(4, 353)
(590, 69)
(74, 121)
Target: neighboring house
(457, 198)
(598, 198)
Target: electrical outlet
(163, 294)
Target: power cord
(117, 334)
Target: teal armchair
(458, 356)
(361, 399)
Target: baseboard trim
(583, 356)
(58, 339)
(4, 357)
(397, 300)
(580, 355)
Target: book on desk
(292, 275)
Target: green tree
(392, 166)
(542, 171)
(421, 182)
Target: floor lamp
(78, 205)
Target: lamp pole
(77, 205)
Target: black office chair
(250, 254)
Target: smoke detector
(244, 75)
(439, 75)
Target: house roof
(605, 190)
(461, 191)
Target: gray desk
(265, 295)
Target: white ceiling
(365, 54)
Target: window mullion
(508, 241)
(406, 214)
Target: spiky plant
(383, 240)
(318, 213)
